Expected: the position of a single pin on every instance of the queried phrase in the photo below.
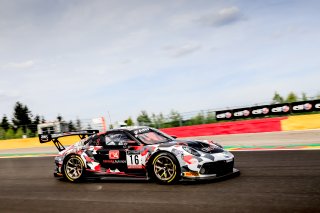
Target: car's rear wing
(45, 138)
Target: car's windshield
(150, 136)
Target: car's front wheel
(73, 168)
(165, 168)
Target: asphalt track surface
(277, 181)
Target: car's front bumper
(197, 176)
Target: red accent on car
(97, 147)
(114, 154)
(88, 159)
(187, 159)
(144, 152)
(97, 167)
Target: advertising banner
(267, 110)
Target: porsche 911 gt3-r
(140, 153)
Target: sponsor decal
(139, 131)
(45, 137)
(317, 106)
(133, 152)
(190, 174)
(114, 161)
(134, 161)
(135, 166)
(207, 149)
(114, 154)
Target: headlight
(191, 150)
(229, 154)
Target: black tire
(73, 168)
(165, 168)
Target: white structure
(99, 124)
(53, 127)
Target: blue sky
(84, 58)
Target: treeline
(174, 119)
(291, 97)
(24, 123)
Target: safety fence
(299, 122)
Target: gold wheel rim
(73, 168)
(164, 168)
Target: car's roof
(128, 128)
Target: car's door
(113, 155)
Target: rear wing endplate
(45, 138)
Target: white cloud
(225, 16)
(20, 65)
(182, 50)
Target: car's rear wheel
(73, 168)
(165, 168)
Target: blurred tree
(110, 126)
(34, 127)
(277, 99)
(30, 133)
(198, 119)
(211, 118)
(292, 97)
(71, 126)
(154, 122)
(21, 116)
(43, 120)
(5, 123)
(78, 124)
(19, 133)
(160, 120)
(175, 118)
(129, 122)
(304, 96)
(2, 133)
(36, 120)
(59, 118)
(143, 119)
(9, 133)
(157, 120)
(89, 126)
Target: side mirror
(173, 136)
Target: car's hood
(202, 146)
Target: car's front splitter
(212, 176)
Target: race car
(139, 152)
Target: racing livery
(139, 152)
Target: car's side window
(96, 140)
(118, 139)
